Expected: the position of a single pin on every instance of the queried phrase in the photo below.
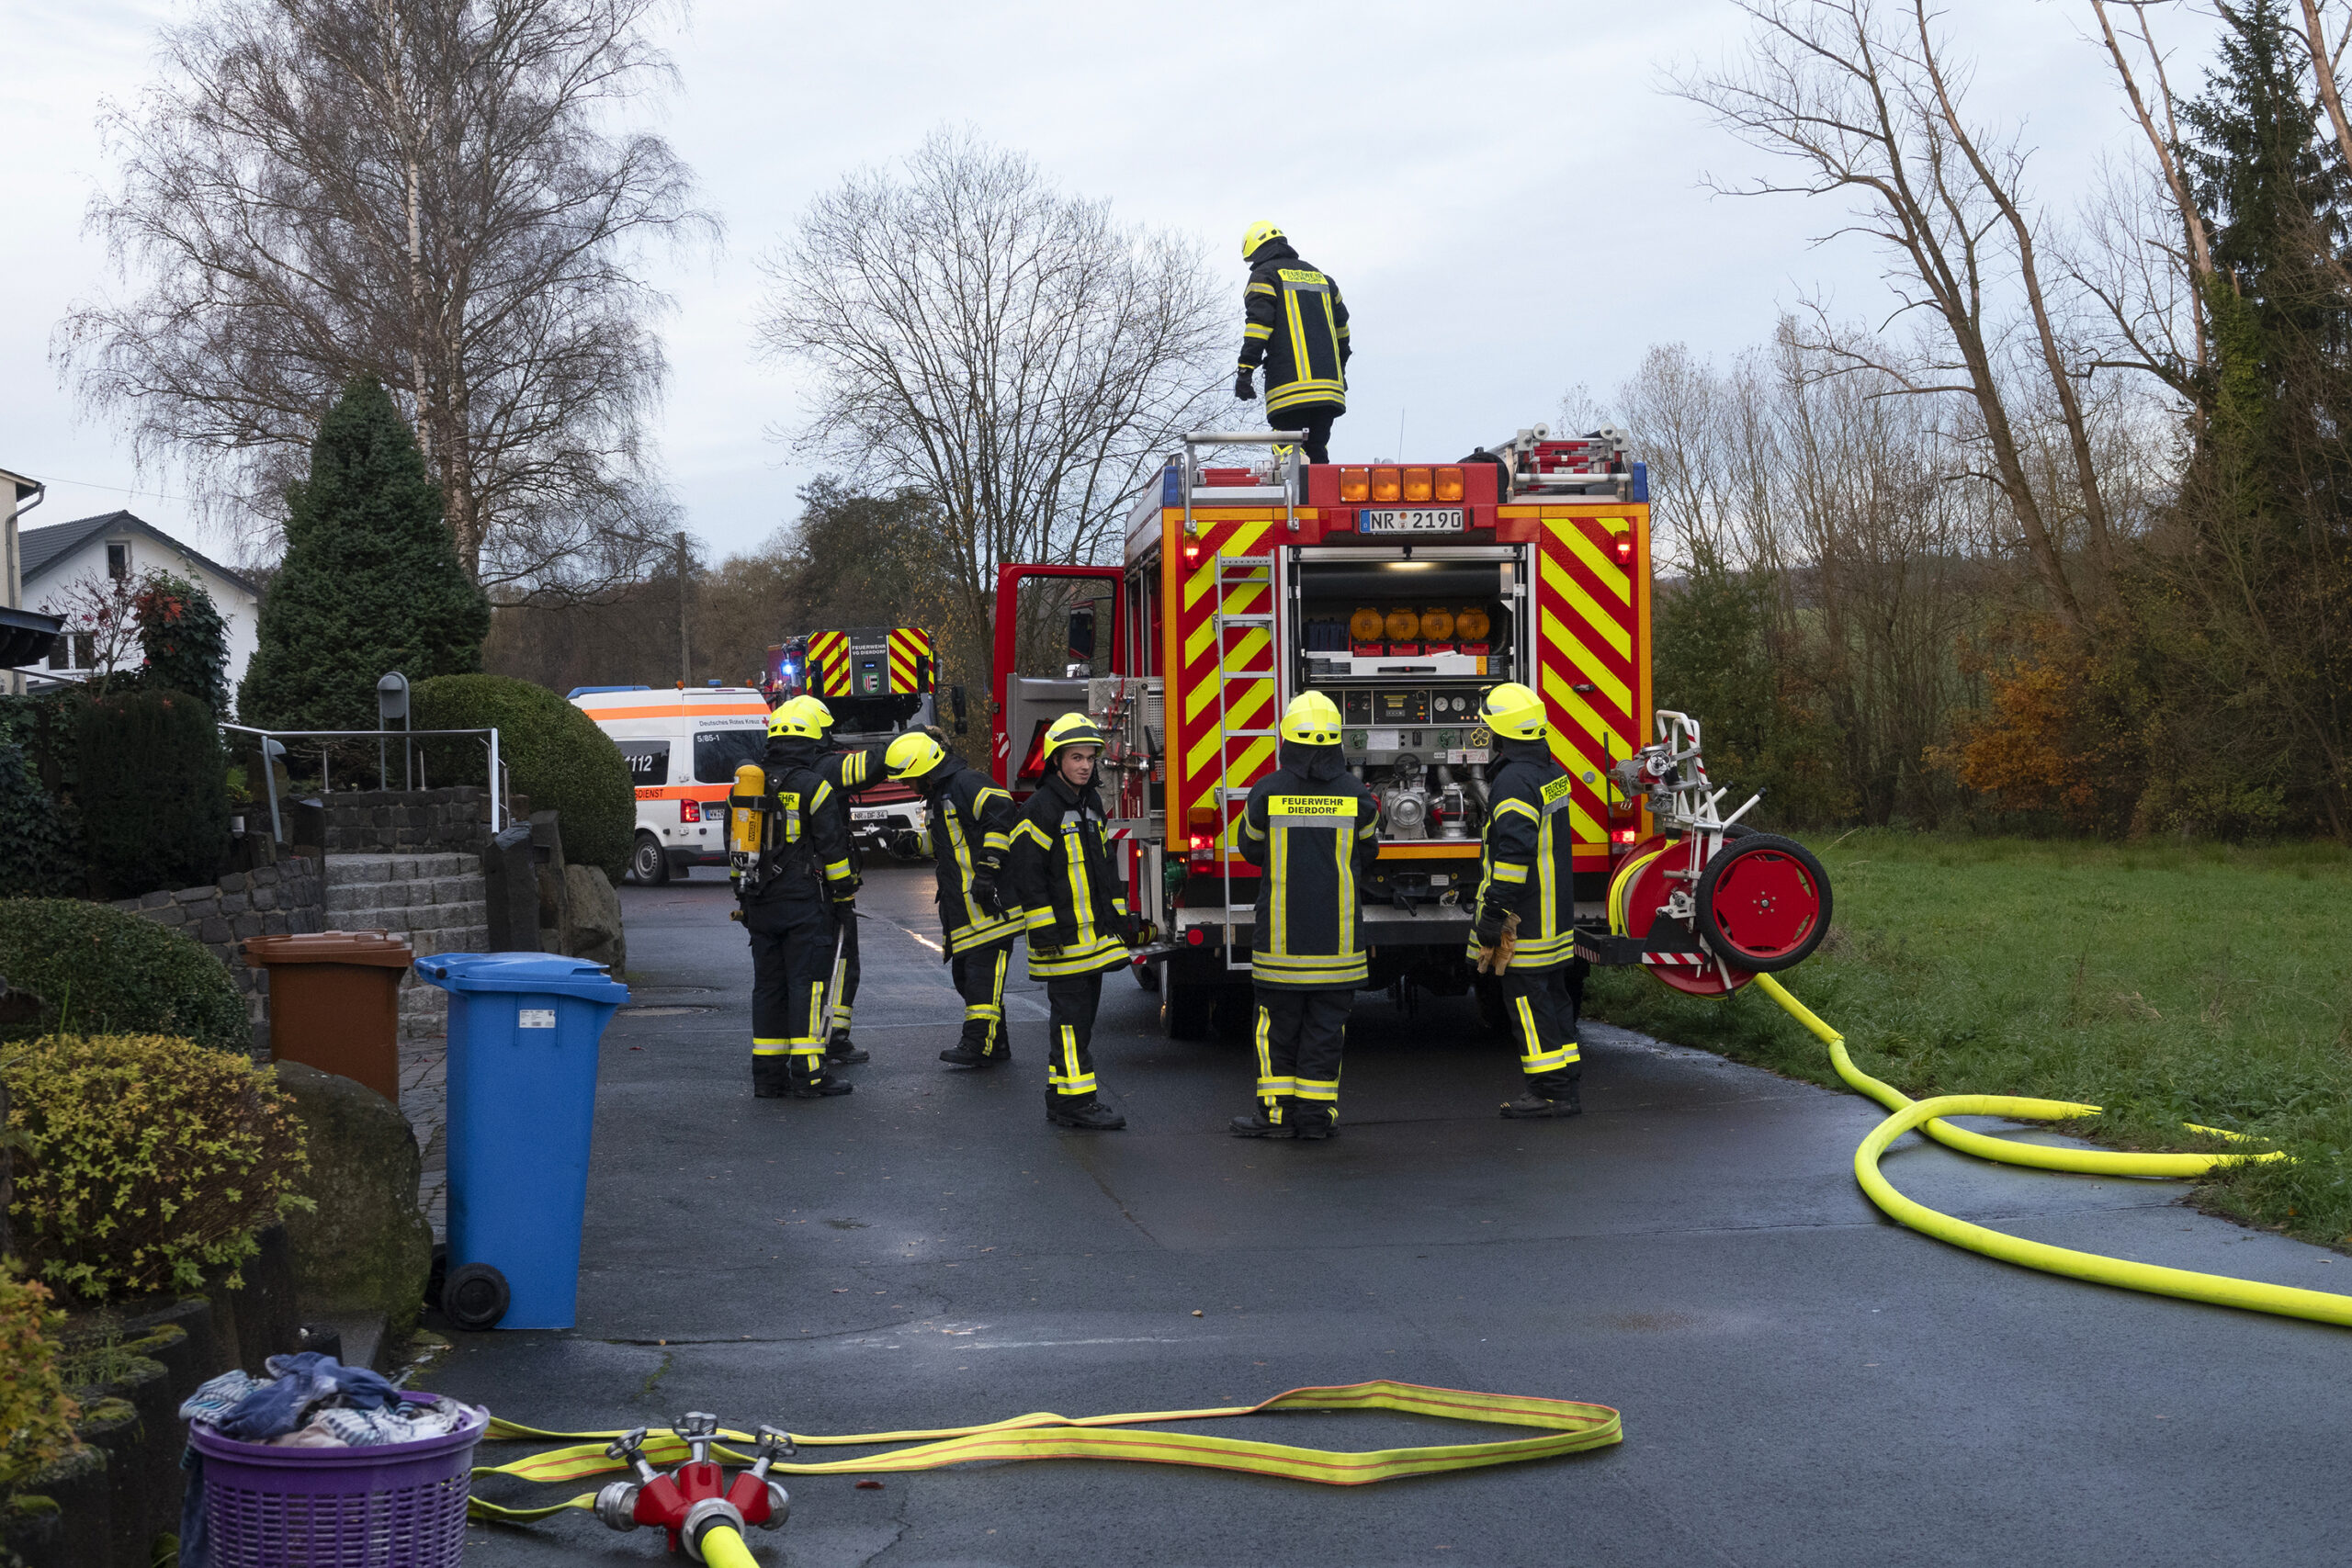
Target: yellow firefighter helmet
(912, 755)
(1312, 719)
(794, 718)
(1257, 234)
(1513, 712)
(1071, 729)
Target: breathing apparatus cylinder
(747, 822)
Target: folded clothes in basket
(308, 1401)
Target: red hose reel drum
(1762, 904)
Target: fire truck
(1402, 591)
(878, 681)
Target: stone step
(469, 914)
(353, 895)
(344, 870)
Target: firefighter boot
(1317, 1123)
(1259, 1124)
(965, 1054)
(839, 1052)
(1531, 1104)
(821, 1089)
(771, 1078)
(1086, 1113)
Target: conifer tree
(370, 582)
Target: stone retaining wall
(285, 900)
(415, 821)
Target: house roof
(40, 547)
(24, 486)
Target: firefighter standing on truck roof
(848, 770)
(1077, 915)
(797, 893)
(1523, 931)
(1314, 828)
(970, 833)
(1295, 320)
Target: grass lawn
(2166, 984)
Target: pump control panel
(1428, 725)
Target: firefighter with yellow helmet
(972, 833)
(849, 770)
(1075, 911)
(1522, 932)
(796, 890)
(1313, 830)
(1293, 323)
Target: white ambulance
(683, 747)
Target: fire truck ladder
(1235, 573)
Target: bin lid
(380, 948)
(539, 974)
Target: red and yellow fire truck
(1404, 591)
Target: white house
(117, 547)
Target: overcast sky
(1510, 200)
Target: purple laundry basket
(397, 1505)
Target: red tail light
(1198, 936)
(690, 811)
(1623, 835)
(1624, 547)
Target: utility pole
(686, 646)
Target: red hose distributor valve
(695, 1498)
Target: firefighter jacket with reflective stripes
(1295, 320)
(804, 856)
(1526, 861)
(848, 771)
(1075, 900)
(1313, 829)
(971, 831)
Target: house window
(118, 561)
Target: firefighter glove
(1242, 387)
(1141, 933)
(984, 893)
(1496, 941)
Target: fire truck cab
(878, 681)
(1402, 591)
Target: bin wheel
(475, 1297)
(649, 861)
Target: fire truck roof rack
(1294, 464)
(1542, 464)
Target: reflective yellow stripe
(1519, 806)
(1252, 329)
(1318, 1089)
(837, 870)
(1063, 1075)
(1509, 871)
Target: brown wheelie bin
(334, 1002)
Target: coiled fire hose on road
(2220, 1290)
(1564, 1427)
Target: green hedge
(554, 753)
(36, 856)
(100, 971)
(153, 791)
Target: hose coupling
(706, 1517)
(616, 1505)
(779, 1507)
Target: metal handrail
(276, 822)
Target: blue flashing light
(1172, 486)
(1641, 481)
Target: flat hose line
(1564, 1427)
(2220, 1290)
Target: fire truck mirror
(1081, 635)
(955, 706)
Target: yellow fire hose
(1565, 1427)
(2286, 1301)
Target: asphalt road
(1802, 1384)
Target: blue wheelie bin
(524, 1029)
